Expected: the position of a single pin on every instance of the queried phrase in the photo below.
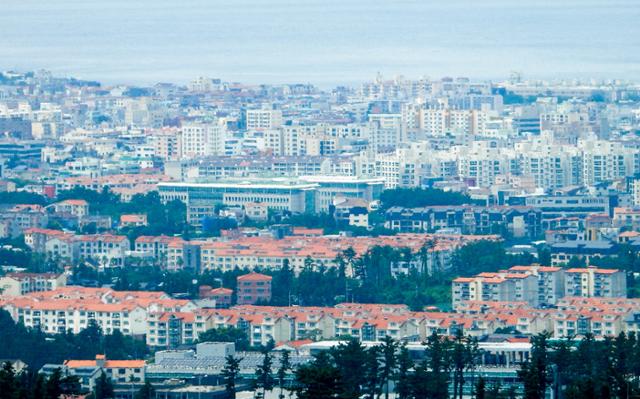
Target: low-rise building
(133, 220)
(118, 371)
(76, 207)
(15, 284)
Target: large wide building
(304, 195)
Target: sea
(324, 42)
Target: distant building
(257, 211)
(254, 288)
(118, 371)
(518, 221)
(595, 282)
(75, 207)
(15, 284)
(133, 220)
(222, 296)
(539, 285)
(563, 252)
(263, 118)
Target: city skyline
(319, 199)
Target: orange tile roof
(254, 277)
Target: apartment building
(606, 161)
(263, 119)
(75, 207)
(562, 252)
(75, 308)
(518, 221)
(253, 288)
(538, 285)
(551, 282)
(459, 122)
(156, 247)
(202, 140)
(54, 244)
(595, 282)
(25, 216)
(109, 249)
(166, 144)
(171, 329)
(16, 284)
(626, 218)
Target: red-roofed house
(75, 207)
(133, 220)
(254, 288)
(119, 371)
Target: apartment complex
(539, 285)
(16, 284)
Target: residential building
(254, 288)
(595, 282)
(16, 284)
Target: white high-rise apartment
(202, 139)
(606, 161)
(263, 118)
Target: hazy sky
(325, 42)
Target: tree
(535, 373)
(420, 386)
(389, 347)
(350, 359)
(373, 376)
(226, 334)
(230, 373)
(146, 392)
(402, 376)
(285, 367)
(480, 390)
(70, 385)
(439, 366)
(52, 386)
(463, 356)
(103, 388)
(8, 383)
(319, 379)
(39, 387)
(264, 380)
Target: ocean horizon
(326, 43)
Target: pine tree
(389, 347)
(373, 375)
(264, 380)
(402, 376)
(52, 386)
(439, 364)
(230, 374)
(103, 388)
(464, 353)
(39, 387)
(481, 388)
(146, 392)
(8, 383)
(319, 379)
(285, 367)
(350, 360)
(535, 373)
